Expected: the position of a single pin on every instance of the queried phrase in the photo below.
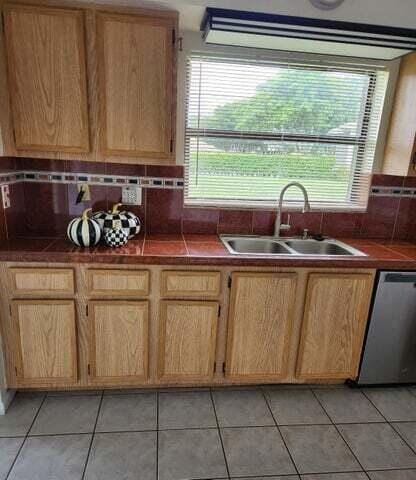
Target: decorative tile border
(91, 179)
(393, 192)
(34, 176)
(11, 177)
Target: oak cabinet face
(47, 78)
(136, 62)
(259, 325)
(44, 341)
(187, 340)
(118, 341)
(334, 321)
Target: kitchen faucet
(306, 207)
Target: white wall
(6, 396)
(387, 12)
(400, 13)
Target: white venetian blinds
(253, 126)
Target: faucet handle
(286, 226)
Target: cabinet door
(136, 83)
(118, 341)
(334, 321)
(47, 79)
(400, 149)
(45, 341)
(187, 340)
(259, 325)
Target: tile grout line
(25, 438)
(219, 433)
(280, 433)
(320, 474)
(391, 423)
(93, 435)
(339, 433)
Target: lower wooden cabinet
(334, 322)
(45, 348)
(187, 340)
(295, 326)
(118, 341)
(259, 325)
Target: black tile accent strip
(382, 191)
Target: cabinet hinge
(229, 282)
(86, 310)
(89, 369)
(223, 367)
(2, 22)
(173, 36)
(215, 367)
(171, 145)
(15, 370)
(219, 310)
(10, 308)
(14, 135)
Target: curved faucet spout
(306, 206)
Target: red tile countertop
(202, 250)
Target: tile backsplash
(43, 209)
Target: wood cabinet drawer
(42, 281)
(190, 284)
(124, 283)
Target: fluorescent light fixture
(308, 35)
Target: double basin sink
(257, 245)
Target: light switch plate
(131, 195)
(5, 195)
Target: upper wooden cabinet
(260, 325)
(400, 150)
(136, 82)
(334, 321)
(47, 78)
(45, 346)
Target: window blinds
(253, 126)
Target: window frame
(192, 43)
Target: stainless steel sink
(323, 247)
(257, 245)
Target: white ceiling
(400, 13)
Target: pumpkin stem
(116, 207)
(85, 213)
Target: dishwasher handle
(400, 278)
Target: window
(253, 126)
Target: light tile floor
(261, 433)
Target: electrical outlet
(5, 195)
(131, 195)
(86, 195)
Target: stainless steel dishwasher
(389, 354)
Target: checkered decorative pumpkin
(84, 231)
(130, 223)
(116, 237)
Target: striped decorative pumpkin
(84, 231)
